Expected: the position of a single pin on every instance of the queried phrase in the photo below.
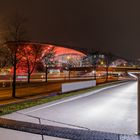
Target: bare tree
(49, 59)
(4, 57)
(94, 61)
(31, 54)
(109, 58)
(15, 35)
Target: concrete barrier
(77, 85)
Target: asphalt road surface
(111, 110)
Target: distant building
(68, 56)
(119, 62)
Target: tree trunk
(29, 77)
(107, 73)
(29, 73)
(46, 74)
(14, 78)
(69, 74)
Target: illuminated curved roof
(64, 51)
(59, 50)
(67, 51)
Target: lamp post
(138, 104)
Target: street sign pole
(138, 108)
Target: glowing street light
(102, 62)
(68, 57)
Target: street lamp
(138, 103)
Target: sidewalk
(8, 134)
(33, 131)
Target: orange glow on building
(62, 55)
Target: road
(111, 110)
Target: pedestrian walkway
(9, 134)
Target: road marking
(74, 98)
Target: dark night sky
(107, 25)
